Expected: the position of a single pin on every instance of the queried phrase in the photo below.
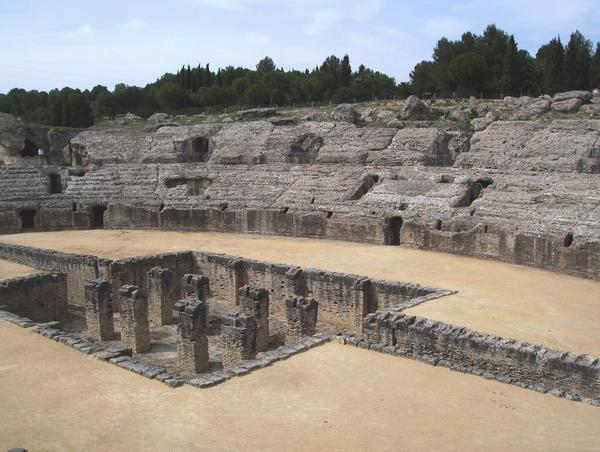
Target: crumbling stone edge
(121, 356)
(530, 366)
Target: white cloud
(132, 25)
(445, 26)
(255, 38)
(81, 31)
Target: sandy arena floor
(10, 270)
(508, 300)
(333, 397)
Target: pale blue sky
(48, 44)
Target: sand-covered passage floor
(333, 397)
(512, 301)
(10, 269)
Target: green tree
(345, 72)
(468, 73)
(550, 66)
(578, 57)
(266, 65)
(595, 69)
(172, 97)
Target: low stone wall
(134, 270)
(527, 365)
(78, 268)
(344, 299)
(41, 297)
(494, 243)
(248, 221)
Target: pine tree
(511, 79)
(550, 62)
(595, 69)
(578, 57)
(345, 72)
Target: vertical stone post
(160, 302)
(195, 287)
(254, 302)
(301, 318)
(135, 328)
(238, 338)
(295, 283)
(99, 310)
(192, 340)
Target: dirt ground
(333, 397)
(508, 300)
(10, 270)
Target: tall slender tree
(578, 57)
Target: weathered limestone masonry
(301, 318)
(135, 328)
(78, 268)
(135, 270)
(344, 299)
(531, 366)
(41, 297)
(238, 336)
(195, 286)
(160, 296)
(438, 184)
(99, 310)
(254, 302)
(192, 339)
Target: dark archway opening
(394, 231)
(30, 149)
(27, 218)
(55, 184)
(568, 240)
(98, 217)
(200, 150)
(74, 207)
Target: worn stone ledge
(532, 366)
(263, 359)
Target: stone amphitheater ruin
(182, 249)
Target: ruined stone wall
(78, 268)
(134, 270)
(508, 360)
(344, 299)
(40, 297)
(550, 252)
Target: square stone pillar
(238, 337)
(254, 302)
(195, 287)
(99, 310)
(160, 302)
(192, 339)
(135, 328)
(301, 318)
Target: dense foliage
(491, 64)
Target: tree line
(490, 63)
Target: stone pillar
(301, 318)
(135, 328)
(160, 303)
(238, 336)
(295, 282)
(195, 287)
(254, 302)
(99, 310)
(192, 340)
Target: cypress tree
(578, 57)
(595, 69)
(550, 62)
(345, 72)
